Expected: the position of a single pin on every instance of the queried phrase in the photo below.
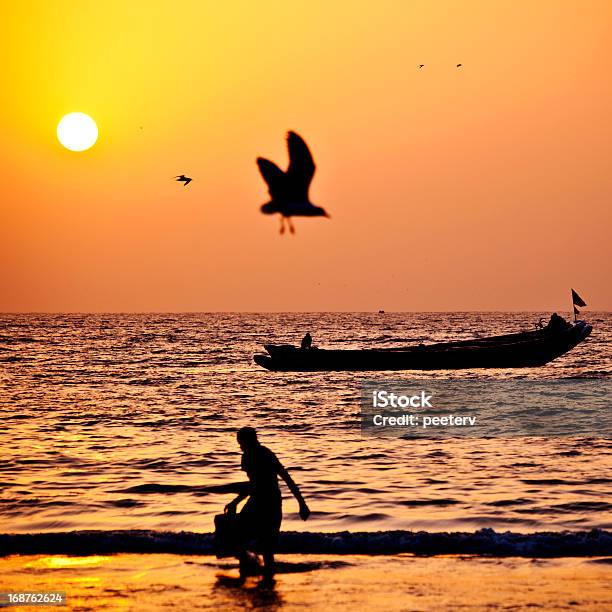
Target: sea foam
(487, 542)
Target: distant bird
(183, 179)
(289, 190)
(459, 65)
(421, 66)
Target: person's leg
(269, 566)
(268, 527)
(243, 564)
(250, 564)
(245, 528)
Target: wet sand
(332, 582)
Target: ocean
(116, 422)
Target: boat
(525, 349)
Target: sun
(77, 131)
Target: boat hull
(523, 350)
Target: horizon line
(381, 311)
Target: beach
(327, 582)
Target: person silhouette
(260, 518)
(306, 341)
(557, 323)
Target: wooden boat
(520, 350)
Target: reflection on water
(246, 596)
(59, 562)
(403, 582)
(95, 405)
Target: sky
(481, 188)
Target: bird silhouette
(459, 65)
(421, 66)
(289, 189)
(183, 179)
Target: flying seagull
(459, 65)
(183, 179)
(289, 189)
(421, 66)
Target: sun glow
(77, 131)
(61, 562)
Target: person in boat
(260, 518)
(306, 341)
(557, 323)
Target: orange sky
(483, 188)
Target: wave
(12, 359)
(561, 481)
(17, 340)
(594, 543)
(415, 503)
(234, 487)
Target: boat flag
(577, 300)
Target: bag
(227, 538)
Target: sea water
(114, 421)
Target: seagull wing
(301, 166)
(275, 178)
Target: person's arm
(244, 493)
(284, 474)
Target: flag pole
(577, 301)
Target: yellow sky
(487, 187)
